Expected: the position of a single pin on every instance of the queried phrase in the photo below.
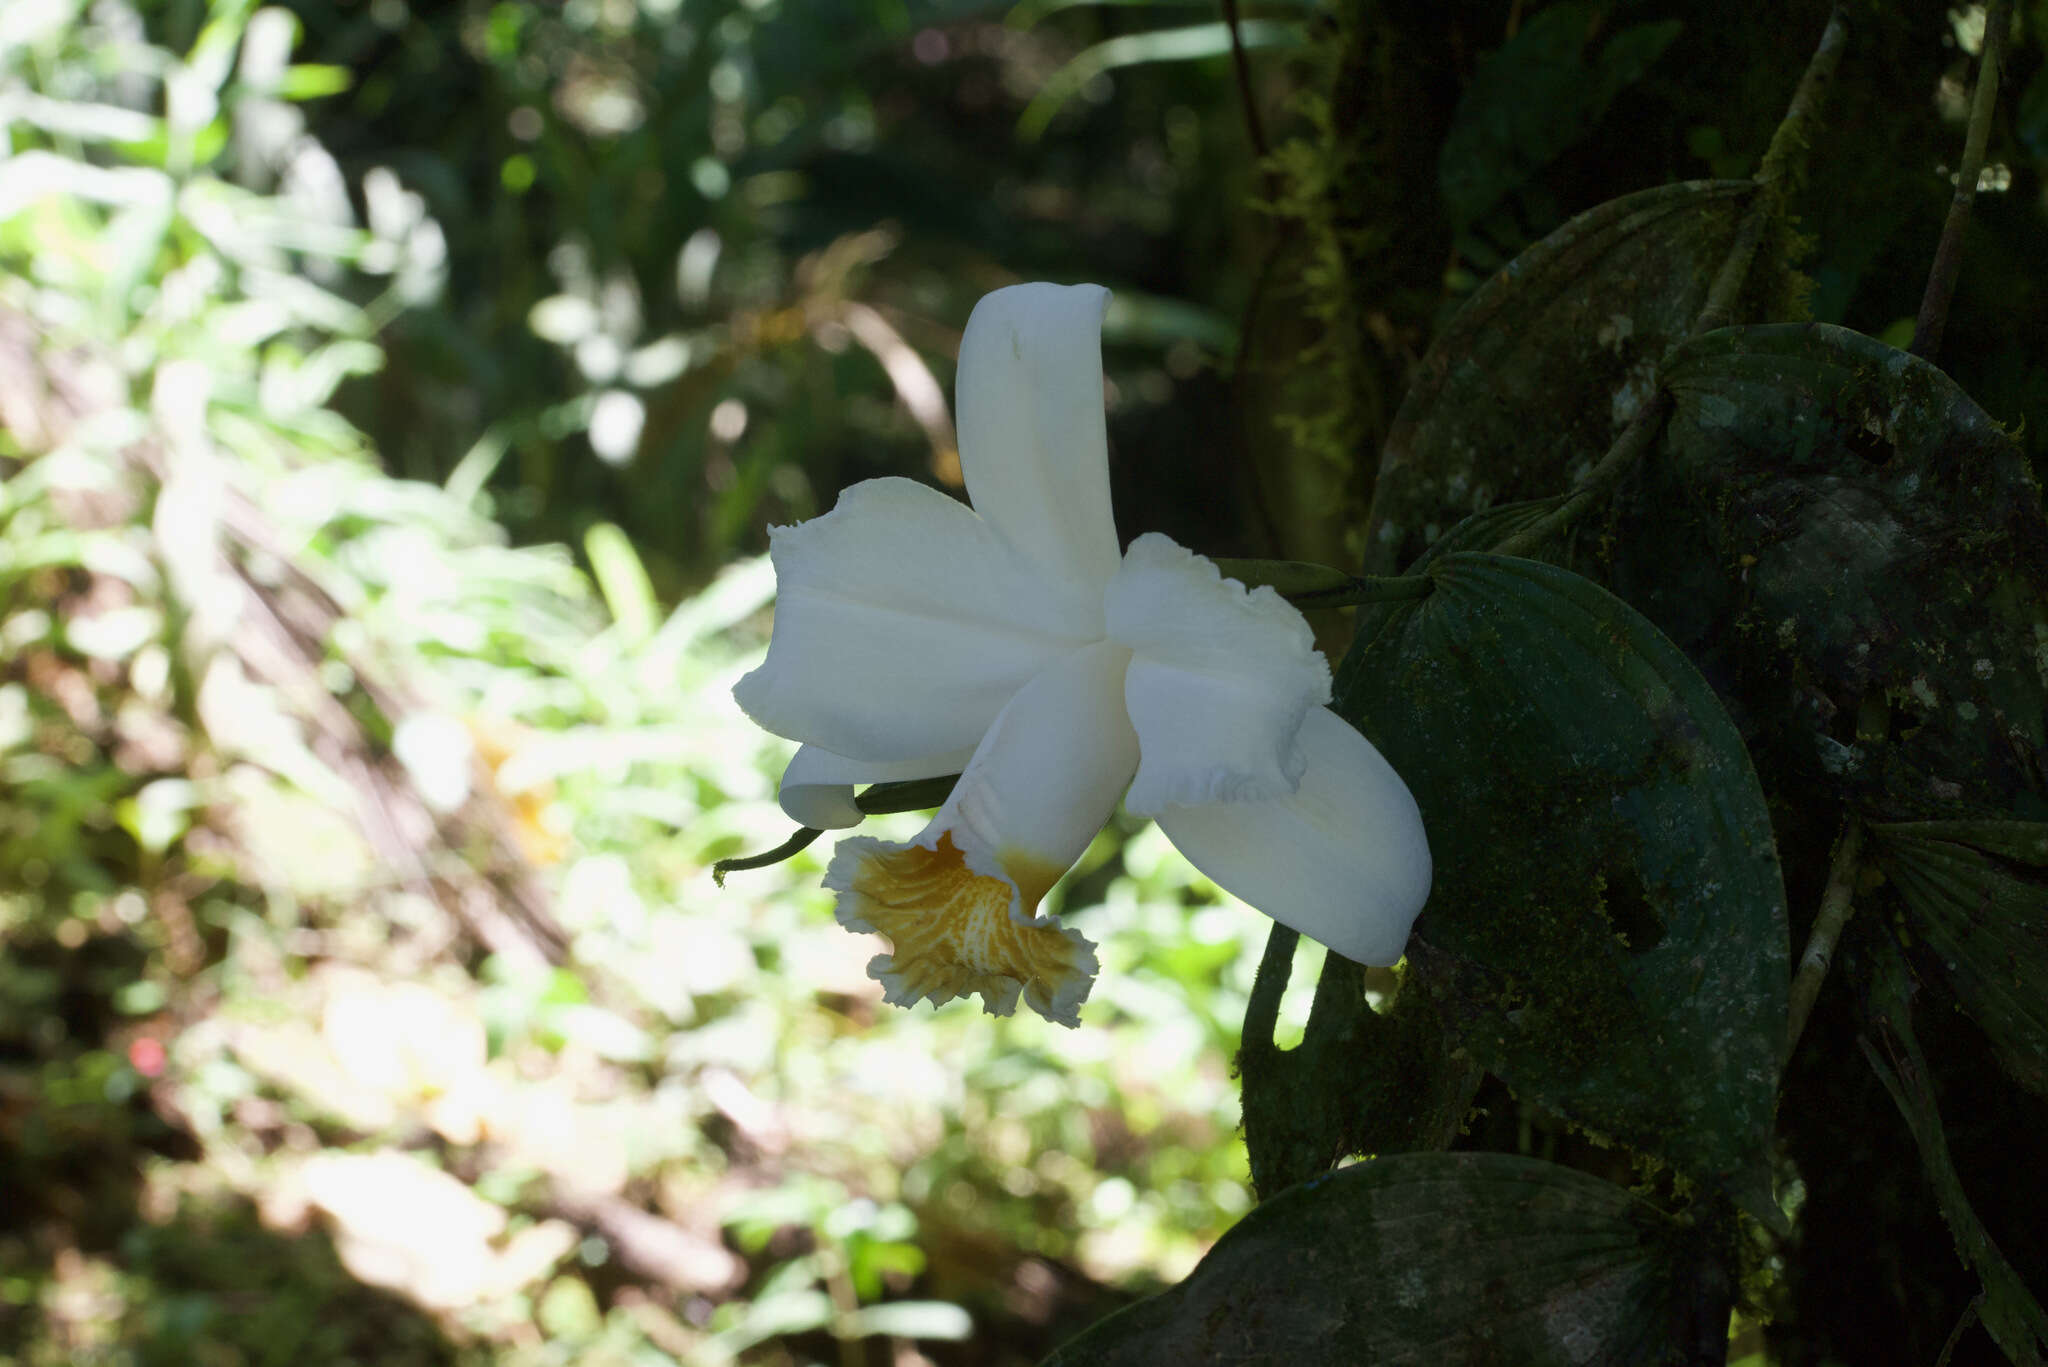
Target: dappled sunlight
(372, 851)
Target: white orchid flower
(1011, 643)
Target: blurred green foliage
(354, 874)
(696, 250)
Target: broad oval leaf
(1607, 929)
(1890, 557)
(1433, 1258)
(1976, 894)
(1525, 388)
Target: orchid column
(1010, 642)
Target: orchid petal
(817, 787)
(903, 624)
(1343, 860)
(957, 903)
(1219, 681)
(1033, 446)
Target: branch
(1948, 257)
(1836, 905)
(1955, 1335)
(1252, 126)
(1782, 168)
(659, 1249)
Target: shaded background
(393, 400)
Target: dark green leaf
(1430, 1259)
(1889, 551)
(1976, 895)
(1607, 929)
(1532, 380)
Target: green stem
(1948, 257)
(1319, 586)
(910, 795)
(1393, 588)
(1836, 904)
(1621, 457)
(803, 837)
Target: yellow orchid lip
(956, 931)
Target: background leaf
(1535, 98)
(1434, 1258)
(1191, 43)
(1607, 928)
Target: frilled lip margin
(957, 926)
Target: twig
(1836, 904)
(1364, 589)
(1252, 126)
(1783, 163)
(1955, 1335)
(1948, 257)
(280, 637)
(650, 1245)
